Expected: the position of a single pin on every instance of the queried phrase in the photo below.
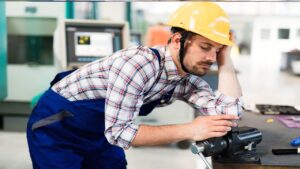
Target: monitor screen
(86, 43)
(93, 44)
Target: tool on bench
(238, 146)
(295, 142)
(286, 151)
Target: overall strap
(157, 54)
(161, 68)
(60, 76)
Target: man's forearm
(228, 82)
(159, 135)
(201, 128)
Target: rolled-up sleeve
(127, 81)
(199, 95)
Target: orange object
(157, 35)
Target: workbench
(275, 135)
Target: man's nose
(212, 56)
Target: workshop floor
(260, 85)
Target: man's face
(200, 54)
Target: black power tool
(238, 146)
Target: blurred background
(40, 39)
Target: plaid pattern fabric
(124, 80)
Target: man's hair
(176, 29)
(181, 31)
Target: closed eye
(205, 48)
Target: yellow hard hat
(204, 18)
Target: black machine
(238, 146)
(269, 109)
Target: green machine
(3, 50)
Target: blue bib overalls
(70, 135)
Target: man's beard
(197, 70)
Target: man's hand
(204, 127)
(224, 52)
(223, 55)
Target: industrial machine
(238, 146)
(46, 46)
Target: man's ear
(175, 40)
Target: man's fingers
(223, 123)
(220, 129)
(217, 134)
(225, 117)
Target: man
(87, 116)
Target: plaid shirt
(125, 78)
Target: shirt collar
(170, 67)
